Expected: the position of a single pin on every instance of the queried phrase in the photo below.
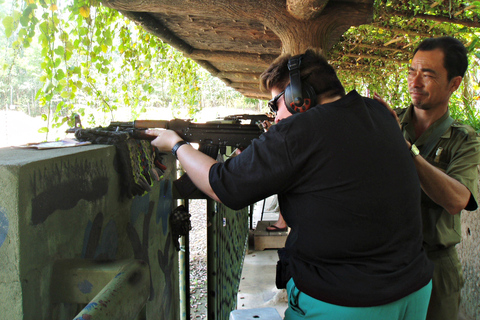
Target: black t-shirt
(349, 190)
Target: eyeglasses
(273, 103)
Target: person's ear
(455, 83)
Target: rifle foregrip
(150, 124)
(141, 134)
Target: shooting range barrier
(71, 246)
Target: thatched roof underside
(235, 40)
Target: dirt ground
(198, 260)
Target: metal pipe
(186, 242)
(123, 297)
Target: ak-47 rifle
(213, 137)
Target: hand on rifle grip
(165, 140)
(266, 125)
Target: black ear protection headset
(299, 96)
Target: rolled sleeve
(464, 167)
(261, 170)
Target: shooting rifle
(213, 137)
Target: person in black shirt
(347, 188)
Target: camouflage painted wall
(66, 204)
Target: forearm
(194, 162)
(197, 165)
(441, 188)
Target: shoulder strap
(436, 134)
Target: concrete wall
(469, 253)
(64, 204)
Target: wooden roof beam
(247, 77)
(245, 85)
(262, 60)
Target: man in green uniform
(446, 154)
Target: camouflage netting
(138, 162)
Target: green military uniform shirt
(457, 153)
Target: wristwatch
(414, 150)
(178, 145)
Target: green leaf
(77, 70)
(60, 74)
(49, 87)
(43, 129)
(24, 19)
(68, 55)
(58, 109)
(60, 51)
(26, 42)
(22, 33)
(43, 27)
(8, 25)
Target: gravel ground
(198, 260)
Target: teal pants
(302, 306)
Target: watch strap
(177, 146)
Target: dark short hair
(455, 61)
(315, 70)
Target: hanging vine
(81, 45)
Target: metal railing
(125, 287)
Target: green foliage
(91, 56)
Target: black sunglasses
(273, 103)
